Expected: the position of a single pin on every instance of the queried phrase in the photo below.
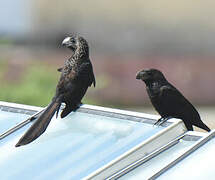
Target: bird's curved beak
(140, 75)
(66, 41)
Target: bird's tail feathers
(202, 125)
(205, 127)
(40, 125)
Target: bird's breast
(153, 92)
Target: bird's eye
(72, 40)
(149, 73)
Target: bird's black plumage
(168, 101)
(76, 76)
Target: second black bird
(76, 76)
(168, 101)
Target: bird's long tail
(40, 125)
(200, 124)
(205, 127)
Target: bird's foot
(162, 120)
(158, 121)
(77, 107)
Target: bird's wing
(177, 104)
(73, 79)
(173, 98)
(86, 72)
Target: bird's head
(150, 75)
(76, 43)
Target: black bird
(76, 76)
(168, 101)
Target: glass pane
(10, 119)
(152, 166)
(198, 165)
(71, 148)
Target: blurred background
(176, 37)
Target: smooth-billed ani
(168, 101)
(76, 76)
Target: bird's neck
(153, 88)
(81, 53)
(155, 83)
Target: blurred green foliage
(5, 41)
(36, 86)
(32, 84)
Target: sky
(14, 16)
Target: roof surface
(93, 143)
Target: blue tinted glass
(8, 120)
(152, 166)
(198, 165)
(71, 148)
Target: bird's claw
(160, 121)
